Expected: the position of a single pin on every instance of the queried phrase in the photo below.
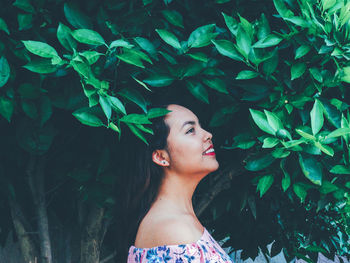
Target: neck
(177, 191)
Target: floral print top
(205, 250)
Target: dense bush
(268, 78)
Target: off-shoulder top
(205, 250)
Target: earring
(163, 162)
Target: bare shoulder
(168, 231)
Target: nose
(207, 135)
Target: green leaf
(159, 80)
(40, 49)
(325, 148)
(4, 71)
(43, 66)
(326, 4)
(274, 122)
(224, 115)
(264, 184)
(270, 65)
(300, 190)
(120, 43)
(305, 135)
(169, 38)
(88, 118)
(339, 132)
(247, 74)
(88, 36)
(231, 23)
(346, 75)
(217, 84)
(280, 153)
(137, 132)
(201, 36)
(134, 96)
(259, 162)
(143, 128)
(106, 106)
(327, 187)
(269, 41)
(286, 177)
(173, 17)
(283, 134)
(114, 127)
(6, 108)
(340, 169)
(198, 91)
(297, 70)
(117, 104)
(282, 9)
(227, 48)
(24, 5)
(134, 57)
(244, 42)
(142, 83)
(316, 74)
(91, 56)
(316, 115)
(135, 118)
(199, 56)
(3, 26)
(270, 142)
(311, 168)
(75, 17)
(146, 45)
(302, 51)
(157, 112)
(65, 38)
(25, 21)
(261, 120)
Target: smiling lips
(209, 151)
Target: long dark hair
(141, 180)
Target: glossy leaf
(311, 168)
(216, 84)
(173, 17)
(198, 91)
(43, 66)
(3, 26)
(159, 80)
(227, 48)
(135, 118)
(4, 71)
(340, 169)
(259, 162)
(261, 120)
(40, 49)
(316, 115)
(157, 112)
(269, 41)
(264, 184)
(302, 51)
(85, 117)
(88, 36)
(75, 17)
(201, 36)
(6, 108)
(297, 70)
(64, 36)
(247, 74)
(135, 97)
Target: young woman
(160, 224)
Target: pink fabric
(205, 250)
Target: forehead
(178, 116)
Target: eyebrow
(189, 122)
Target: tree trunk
(26, 242)
(37, 185)
(92, 235)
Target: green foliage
(272, 75)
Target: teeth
(209, 151)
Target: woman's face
(188, 143)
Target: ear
(160, 157)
